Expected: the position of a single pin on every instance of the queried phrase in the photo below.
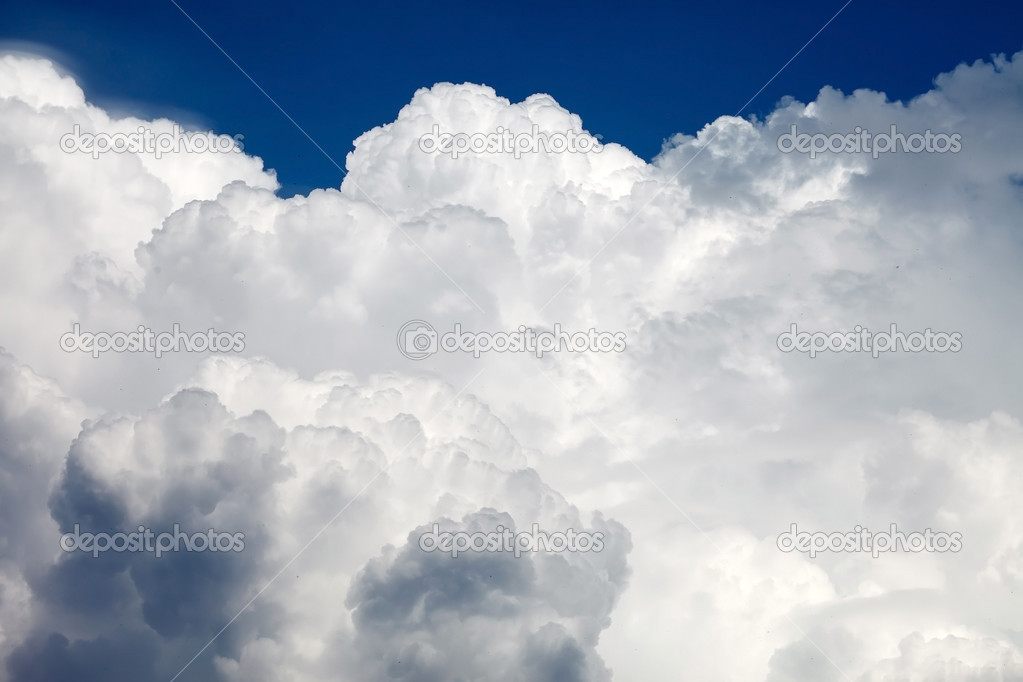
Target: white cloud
(701, 440)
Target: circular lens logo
(417, 340)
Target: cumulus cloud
(691, 449)
(291, 487)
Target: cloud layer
(691, 450)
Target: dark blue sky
(635, 72)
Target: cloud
(490, 617)
(360, 478)
(692, 449)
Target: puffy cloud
(321, 505)
(701, 438)
(951, 657)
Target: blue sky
(635, 72)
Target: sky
(721, 397)
(637, 73)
